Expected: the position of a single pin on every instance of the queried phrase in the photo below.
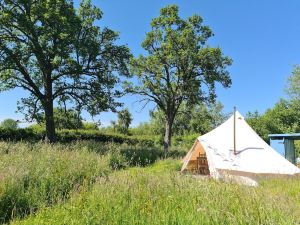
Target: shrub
(125, 155)
(90, 126)
(9, 124)
(176, 153)
(67, 136)
(117, 162)
(20, 134)
(185, 141)
(140, 156)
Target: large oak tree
(179, 66)
(57, 53)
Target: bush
(125, 156)
(90, 126)
(141, 156)
(20, 134)
(117, 162)
(185, 141)
(176, 153)
(9, 124)
(66, 136)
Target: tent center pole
(234, 130)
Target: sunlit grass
(33, 176)
(160, 195)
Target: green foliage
(284, 117)
(67, 119)
(67, 136)
(258, 123)
(90, 126)
(293, 84)
(64, 119)
(58, 54)
(185, 141)
(124, 121)
(25, 134)
(197, 119)
(160, 195)
(72, 184)
(66, 123)
(179, 65)
(9, 124)
(117, 161)
(139, 156)
(34, 176)
(147, 128)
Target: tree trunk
(168, 135)
(50, 126)
(48, 107)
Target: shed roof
(293, 136)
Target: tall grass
(33, 176)
(160, 195)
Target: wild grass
(33, 176)
(160, 195)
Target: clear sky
(262, 38)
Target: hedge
(66, 136)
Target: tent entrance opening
(202, 164)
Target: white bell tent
(235, 150)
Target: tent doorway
(202, 164)
(197, 163)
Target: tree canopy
(57, 53)
(9, 124)
(293, 84)
(199, 119)
(284, 117)
(67, 119)
(124, 120)
(179, 65)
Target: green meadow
(76, 184)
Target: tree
(114, 125)
(67, 119)
(200, 119)
(205, 117)
(284, 117)
(124, 121)
(56, 53)
(9, 124)
(179, 66)
(90, 126)
(258, 123)
(293, 84)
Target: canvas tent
(235, 150)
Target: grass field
(42, 184)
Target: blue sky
(262, 38)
